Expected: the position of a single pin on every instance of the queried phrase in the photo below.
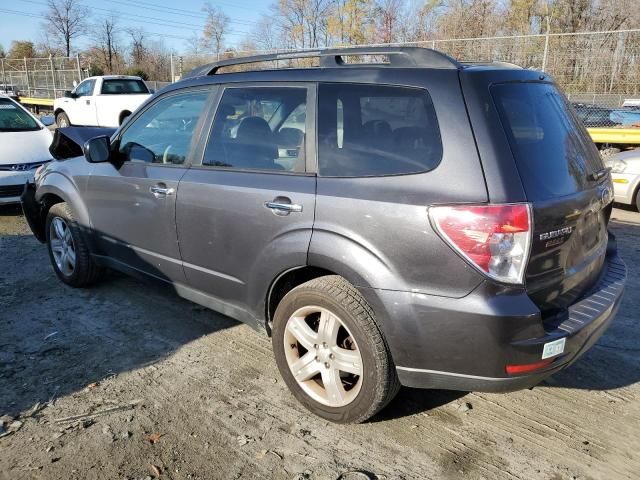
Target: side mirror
(68, 94)
(98, 149)
(47, 120)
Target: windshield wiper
(595, 176)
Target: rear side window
(373, 130)
(259, 128)
(553, 152)
(123, 87)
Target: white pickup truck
(101, 101)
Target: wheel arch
(57, 188)
(284, 283)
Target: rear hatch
(564, 179)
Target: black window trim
(87, 81)
(197, 132)
(310, 127)
(394, 85)
(107, 80)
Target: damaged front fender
(32, 210)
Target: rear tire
(62, 120)
(68, 250)
(326, 382)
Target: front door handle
(279, 206)
(161, 190)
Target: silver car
(625, 172)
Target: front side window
(163, 133)
(14, 119)
(85, 89)
(259, 128)
(123, 86)
(373, 130)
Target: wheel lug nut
(315, 346)
(326, 365)
(324, 344)
(331, 356)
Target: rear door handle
(162, 190)
(283, 207)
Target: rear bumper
(465, 344)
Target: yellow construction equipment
(615, 136)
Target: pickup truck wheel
(330, 352)
(62, 120)
(68, 251)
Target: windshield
(122, 86)
(554, 153)
(15, 119)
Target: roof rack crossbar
(331, 58)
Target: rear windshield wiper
(595, 176)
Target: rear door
(564, 178)
(245, 214)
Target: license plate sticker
(554, 348)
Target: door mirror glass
(98, 149)
(68, 94)
(47, 120)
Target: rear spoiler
(68, 142)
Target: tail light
(495, 239)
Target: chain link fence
(41, 77)
(599, 71)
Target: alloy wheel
(62, 246)
(323, 356)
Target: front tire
(68, 250)
(62, 120)
(331, 353)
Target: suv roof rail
(399, 57)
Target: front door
(82, 110)
(246, 214)
(132, 200)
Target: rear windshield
(15, 119)
(553, 151)
(374, 130)
(123, 86)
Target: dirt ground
(180, 392)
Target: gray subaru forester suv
(409, 220)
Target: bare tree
(106, 34)
(388, 17)
(138, 46)
(194, 44)
(266, 34)
(2, 52)
(215, 29)
(66, 20)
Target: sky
(172, 21)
